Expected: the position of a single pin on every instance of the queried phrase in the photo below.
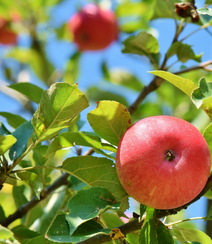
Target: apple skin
(144, 170)
(7, 36)
(93, 28)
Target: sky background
(59, 51)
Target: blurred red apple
(7, 35)
(163, 162)
(93, 28)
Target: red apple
(93, 28)
(7, 35)
(163, 162)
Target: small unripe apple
(93, 28)
(163, 162)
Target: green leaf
(51, 209)
(59, 230)
(22, 232)
(33, 181)
(18, 195)
(96, 171)
(3, 130)
(209, 214)
(59, 107)
(142, 44)
(88, 204)
(164, 9)
(69, 139)
(2, 214)
(96, 94)
(155, 232)
(184, 52)
(124, 78)
(22, 134)
(192, 235)
(208, 136)
(110, 120)
(5, 233)
(142, 209)
(183, 84)
(6, 142)
(31, 91)
(39, 239)
(202, 94)
(13, 120)
(207, 11)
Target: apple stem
(170, 155)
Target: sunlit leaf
(59, 107)
(183, 84)
(192, 235)
(203, 94)
(110, 120)
(96, 171)
(69, 139)
(13, 120)
(88, 204)
(207, 11)
(5, 233)
(6, 142)
(209, 214)
(31, 91)
(33, 181)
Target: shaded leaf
(155, 232)
(110, 120)
(18, 195)
(33, 181)
(163, 9)
(96, 171)
(3, 130)
(31, 91)
(183, 84)
(183, 51)
(22, 134)
(39, 239)
(59, 107)
(2, 214)
(6, 142)
(69, 139)
(59, 230)
(51, 209)
(88, 204)
(22, 232)
(96, 94)
(124, 78)
(13, 120)
(192, 235)
(209, 214)
(142, 44)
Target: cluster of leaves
(91, 200)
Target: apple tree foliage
(58, 180)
